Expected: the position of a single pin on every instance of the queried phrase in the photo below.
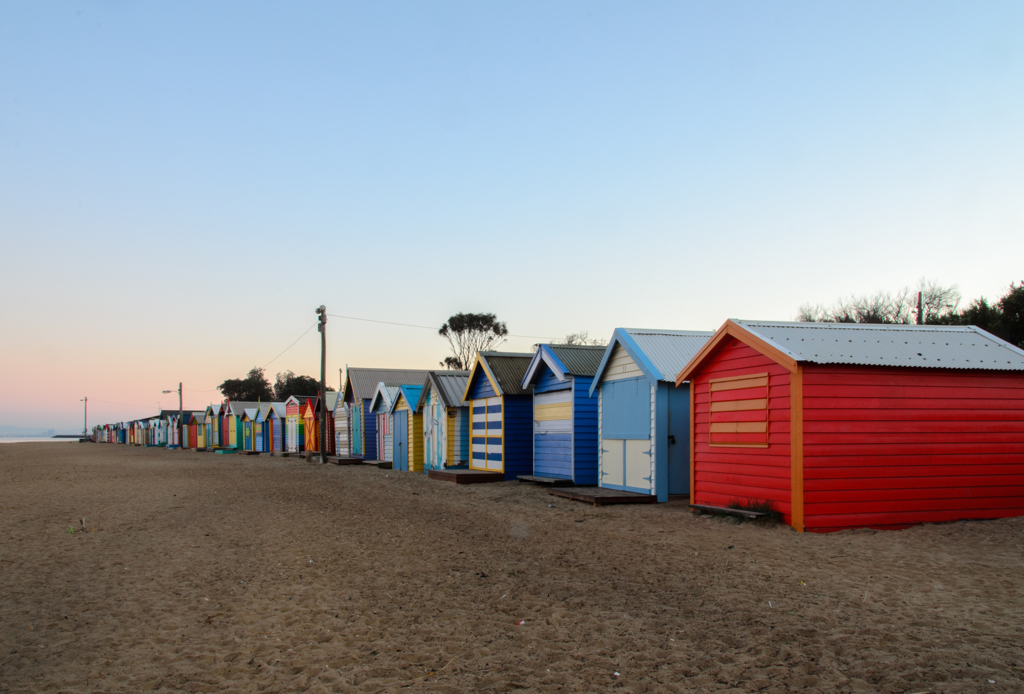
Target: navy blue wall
(585, 432)
(369, 432)
(547, 382)
(481, 386)
(518, 421)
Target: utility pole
(920, 308)
(181, 413)
(85, 422)
(322, 327)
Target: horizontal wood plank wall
(891, 447)
(725, 475)
(517, 442)
(370, 451)
(620, 365)
(584, 432)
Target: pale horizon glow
(182, 184)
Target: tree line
(930, 303)
(255, 387)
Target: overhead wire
(289, 346)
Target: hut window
(739, 411)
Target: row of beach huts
(832, 426)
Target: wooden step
(546, 481)
(599, 496)
(466, 476)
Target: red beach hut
(844, 425)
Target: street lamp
(85, 422)
(181, 413)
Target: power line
(427, 327)
(289, 346)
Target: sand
(199, 572)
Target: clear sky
(182, 183)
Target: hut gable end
(736, 467)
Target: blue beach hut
(643, 417)
(408, 429)
(564, 412)
(501, 412)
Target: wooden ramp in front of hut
(546, 481)
(466, 476)
(599, 496)
(338, 460)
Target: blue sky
(181, 184)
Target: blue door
(400, 431)
(678, 440)
(356, 417)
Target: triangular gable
(428, 388)
(731, 329)
(411, 396)
(623, 338)
(381, 398)
(480, 370)
(545, 356)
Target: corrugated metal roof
(386, 394)
(669, 350)
(239, 408)
(923, 346)
(279, 409)
(508, 368)
(579, 360)
(449, 386)
(363, 382)
(411, 395)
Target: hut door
(357, 430)
(382, 420)
(401, 434)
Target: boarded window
(739, 411)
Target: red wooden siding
(724, 474)
(891, 447)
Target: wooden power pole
(322, 327)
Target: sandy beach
(198, 572)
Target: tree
(1004, 318)
(937, 302)
(469, 333)
(582, 338)
(288, 384)
(251, 388)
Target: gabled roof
(361, 383)
(449, 386)
(921, 346)
(564, 361)
(200, 417)
(264, 411)
(411, 395)
(505, 371)
(659, 354)
(383, 397)
(279, 410)
(251, 413)
(239, 408)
